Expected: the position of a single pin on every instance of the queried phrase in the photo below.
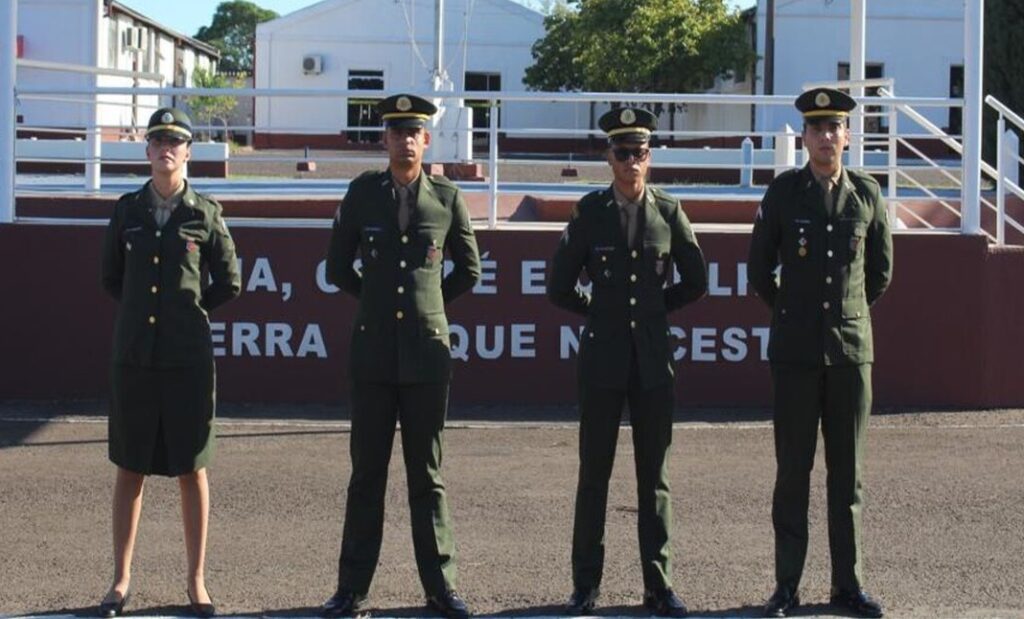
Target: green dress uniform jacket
(625, 357)
(400, 333)
(834, 266)
(629, 304)
(400, 362)
(835, 263)
(163, 385)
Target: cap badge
(403, 104)
(167, 118)
(627, 117)
(822, 99)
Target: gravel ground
(943, 522)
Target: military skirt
(162, 419)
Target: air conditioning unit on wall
(312, 64)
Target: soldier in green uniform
(399, 223)
(627, 238)
(828, 228)
(161, 244)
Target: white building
(917, 43)
(389, 46)
(85, 35)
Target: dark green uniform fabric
(834, 265)
(625, 356)
(162, 405)
(400, 361)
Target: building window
(363, 112)
(956, 91)
(488, 82)
(872, 70)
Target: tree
(1004, 63)
(233, 32)
(206, 109)
(639, 46)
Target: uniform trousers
(840, 398)
(421, 409)
(650, 415)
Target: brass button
(401, 289)
(399, 314)
(156, 259)
(604, 258)
(829, 227)
(152, 320)
(153, 289)
(632, 277)
(632, 300)
(402, 264)
(591, 334)
(826, 305)
(362, 327)
(158, 233)
(632, 324)
(371, 238)
(830, 253)
(633, 253)
(828, 279)
(405, 238)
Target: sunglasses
(624, 154)
(161, 141)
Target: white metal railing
(889, 141)
(1008, 162)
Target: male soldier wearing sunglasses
(400, 222)
(627, 238)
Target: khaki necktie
(628, 212)
(404, 199)
(826, 186)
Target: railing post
(894, 151)
(970, 200)
(8, 130)
(1000, 183)
(93, 139)
(492, 167)
(747, 171)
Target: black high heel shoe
(109, 610)
(203, 611)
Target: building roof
(113, 6)
(314, 11)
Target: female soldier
(160, 242)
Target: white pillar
(858, 28)
(8, 75)
(974, 37)
(93, 139)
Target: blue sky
(187, 16)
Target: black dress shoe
(113, 609)
(664, 603)
(343, 603)
(449, 604)
(782, 602)
(582, 601)
(857, 602)
(203, 611)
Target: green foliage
(206, 109)
(1004, 63)
(639, 46)
(233, 32)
